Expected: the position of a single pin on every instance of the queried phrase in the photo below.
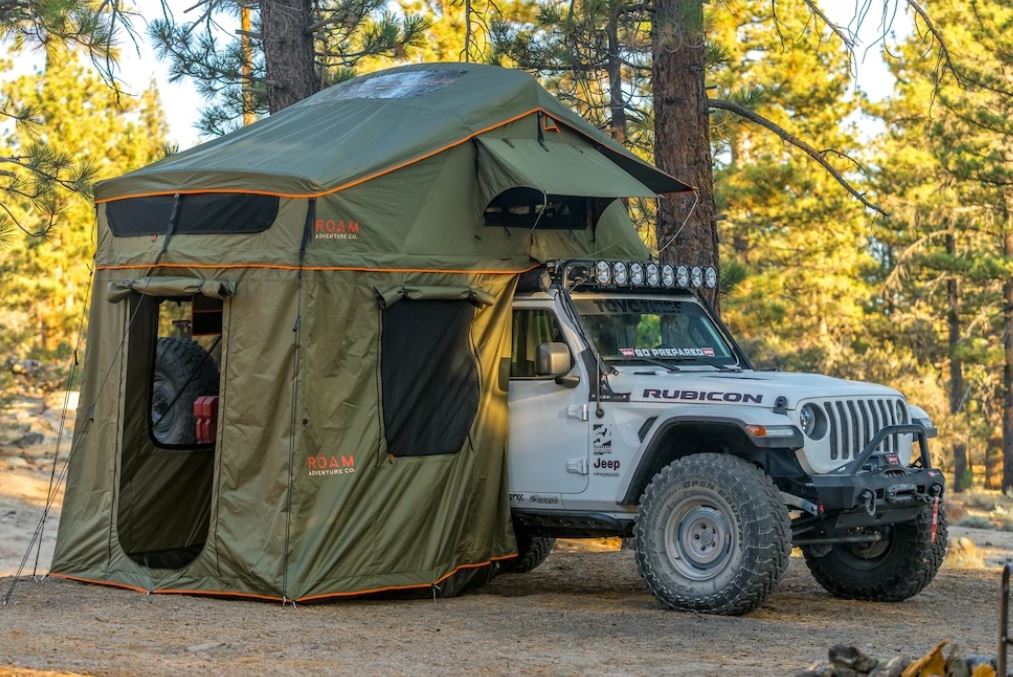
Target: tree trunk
(1007, 369)
(246, 24)
(288, 51)
(993, 463)
(617, 104)
(682, 135)
(956, 367)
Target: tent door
(167, 452)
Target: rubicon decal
(335, 229)
(701, 396)
(321, 465)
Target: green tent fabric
(381, 122)
(548, 166)
(339, 422)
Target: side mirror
(553, 359)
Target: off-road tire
(183, 372)
(910, 563)
(531, 552)
(759, 528)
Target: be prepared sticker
(703, 351)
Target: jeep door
(548, 451)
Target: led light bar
(602, 272)
(637, 274)
(651, 274)
(696, 276)
(620, 275)
(682, 277)
(668, 275)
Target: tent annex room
(295, 381)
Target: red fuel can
(205, 410)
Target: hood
(758, 388)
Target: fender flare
(730, 417)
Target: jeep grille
(853, 422)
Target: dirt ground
(580, 613)
(584, 611)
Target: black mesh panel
(429, 377)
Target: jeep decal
(701, 396)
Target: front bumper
(873, 490)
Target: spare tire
(183, 372)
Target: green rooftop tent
(299, 337)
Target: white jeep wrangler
(634, 413)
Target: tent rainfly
(295, 386)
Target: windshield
(638, 329)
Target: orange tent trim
(412, 586)
(272, 598)
(344, 186)
(279, 266)
(547, 119)
(94, 581)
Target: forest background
(864, 239)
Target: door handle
(577, 466)
(577, 411)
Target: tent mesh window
(200, 213)
(184, 368)
(529, 208)
(428, 375)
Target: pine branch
(962, 77)
(845, 35)
(818, 156)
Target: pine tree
(947, 168)
(295, 48)
(44, 281)
(592, 54)
(38, 173)
(795, 242)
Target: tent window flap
(428, 376)
(170, 287)
(390, 295)
(551, 167)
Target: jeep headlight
(812, 421)
(602, 272)
(710, 277)
(696, 276)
